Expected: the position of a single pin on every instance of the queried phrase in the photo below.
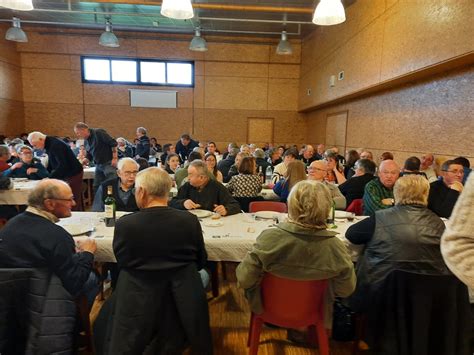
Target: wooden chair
(356, 206)
(267, 206)
(291, 304)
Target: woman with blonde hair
(300, 249)
(295, 173)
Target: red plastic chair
(356, 206)
(291, 304)
(274, 206)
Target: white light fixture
(21, 5)
(177, 9)
(284, 47)
(329, 12)
(198, 43)
(15, 33)
(108, 38)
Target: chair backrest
(356, 206)
(268, 206)
(292, 303)
(244, 202)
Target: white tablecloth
(19, 194)
(230, 242)
(89, 173)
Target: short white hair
(155, 181)
(36, 136)
(124, 161)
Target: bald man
(34, 240)
(318, 171)
(378, 193)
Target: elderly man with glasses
(33, 240)
(318, 171)
(123, 188)
(444, 193)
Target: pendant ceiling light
(21, 5)
(284, 47)
(108, 38)
(198, 43)
(177, 9)
(15, 33)
(329, 12)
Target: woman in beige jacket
(457, 243)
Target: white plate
(267, 214)
(77, 229)
(213, 223)
(201, 213)
(342, 214)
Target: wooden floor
(230, 317)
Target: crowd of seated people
(199, 173)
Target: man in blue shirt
(123, 187)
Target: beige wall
(380, 42)
(233, 82)
(434, 115)
(11, 105)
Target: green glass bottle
(110, 208)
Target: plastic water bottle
(268, 175)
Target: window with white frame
(130, 71)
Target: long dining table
(229, 238)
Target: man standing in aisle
(103, 149)
(143, 145)
(62, 163)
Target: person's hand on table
(87, 244)
(190, 205)
(220, 209)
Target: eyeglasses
(455, 172)
(130, 173)
(318, 169)
(70, 199)
(26, 153)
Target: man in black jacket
(225, 164)
(62, 163)
(142, 149)
(203, 192)
(354, 187)
(33, 240)
(103, 149)
(158, 250)
(184, 146)
(444, 193)
(123, 188)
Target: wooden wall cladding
(434, 115)
(381, 41)
(232, 82)
(11, 95)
